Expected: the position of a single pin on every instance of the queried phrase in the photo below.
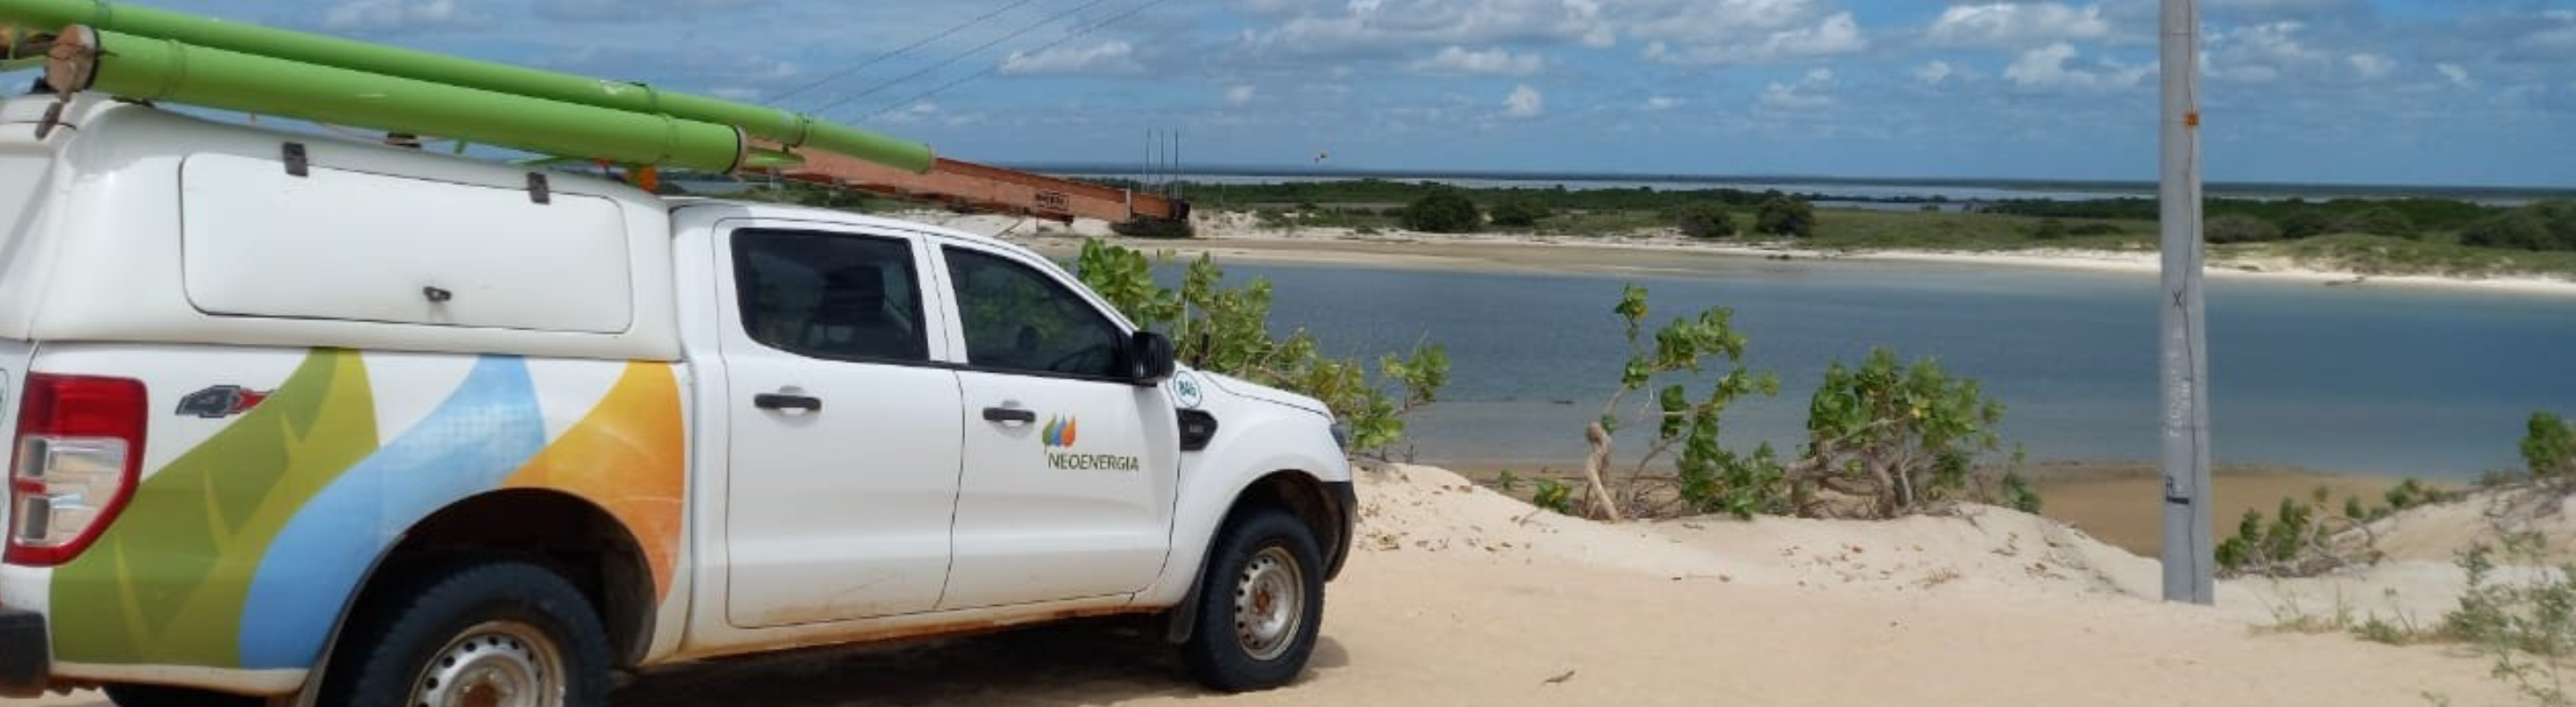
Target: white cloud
(2261, 53)
(2371, 66)
(2011, 26)
(392, 15)
(1933, 72)
(1387, 27)
(2453, 72)
(916, 113)
(1111, 57)
(1805, 94)
(1490, 62)
(1699, 32)
(1525, 102)
(1240, 96)
(1663, 103)
(2055, 68)
(1835, 34)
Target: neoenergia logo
(1059, 432)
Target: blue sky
(2476, 92)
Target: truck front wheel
(1259, 605)
(481, 633)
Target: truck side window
(831, 296)
(1017, 319)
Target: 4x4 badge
(221, 402)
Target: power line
(943, 63)
(988, 71)
(846, 73)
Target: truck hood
(1247, 389)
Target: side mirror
(1150, 357)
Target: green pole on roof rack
(143, 68)
(787, 128)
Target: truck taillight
(77, 461)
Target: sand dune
(1461, 596)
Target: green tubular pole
(143, 68)
(785, 127)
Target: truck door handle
(1025, 417)
(783, 401)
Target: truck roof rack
(148, 54)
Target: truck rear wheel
(1259, 605)
(504, 633)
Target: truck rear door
(844, 433)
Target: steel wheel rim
(1269, 603)
(493, 664)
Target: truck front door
(845, 431)
(1070, 468)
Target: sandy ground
(1235, 236)
(1462, 596)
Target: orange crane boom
(977, 187)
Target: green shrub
(2306, 223)
(1707, 219)
(1442, 211)
(2379, 221)
(2549, 448)
(1709, 477)
(2049, 229)
(1899, 438)
(2527, 628)
(2240, 229)
(2095, 229)
(1785, 216)
(1553, 495)
(2303, 538)
(1519, 212)
(1228, 331)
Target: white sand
(1461, 596)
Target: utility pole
(2187, 548)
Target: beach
(1458, 595)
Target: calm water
(2420, 382)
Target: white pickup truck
(310, 421)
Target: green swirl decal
(166, 584)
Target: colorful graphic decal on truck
(241, 552)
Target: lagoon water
(2434, 383)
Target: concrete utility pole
(2188, 553)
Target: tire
(472, 629)
(161, 696)
(1245, 639)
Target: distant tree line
(2547, 225)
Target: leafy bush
(2049, 229)
(1710, 477)
(2549, 448)
(1553, 495)
(2526, 628)
(1155, 228)
(1442, 211)
(2547, 225)
(1519, 212)
(1228, 331)
(1785, 216)
(2240, 229)
(2303, 539)
(2379, 221)
(1707, 219)
(1899, 438)
(2094, 229)
(2305, 223)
